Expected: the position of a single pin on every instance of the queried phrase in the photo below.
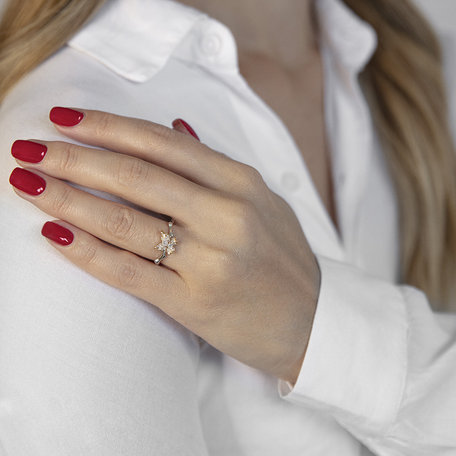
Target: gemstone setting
(168, 241)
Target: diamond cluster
(168, 241)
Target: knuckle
(251, 179)
(162, 131)
(61, 203)
(225, 265)
(87, 253)
(131, 171)
(68, 158)
(119, 223)
(241, 216)
(162, 135)
(103, 124)
(127, 274)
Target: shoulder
(110, 64)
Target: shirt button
(211, 44)
(290, 181)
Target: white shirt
(86, 369)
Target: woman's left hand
(242, 276)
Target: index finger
(149, 141)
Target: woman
(119, 340)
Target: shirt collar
(135, 38)
(351, 40)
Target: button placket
(290, 178)
(290, 181)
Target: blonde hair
(31, 31)
(405, 89)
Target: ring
(168, 241)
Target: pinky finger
(119, 268)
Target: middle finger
(136, 180)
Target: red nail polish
(27, 181)
(28, 151)
(187, 127)
(65, 117)
(57, 233)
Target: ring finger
(112, 222)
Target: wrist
(291, 374)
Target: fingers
(118, 268)
(133, 179)
(112, 222)
(155, 143)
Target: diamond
(168, 241)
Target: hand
(242, 276)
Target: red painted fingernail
(28, 151)
(57, 233)
(27, 181)
(187, 127)
(65, 116)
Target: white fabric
(86, 369)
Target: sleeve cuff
(356, 357)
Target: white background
(442, 13)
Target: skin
(256, 310)
(245, 305)
(280, 59)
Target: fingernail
(65, 117)
(57, 233)
(186, 126)
(28, 151)
(27, 181)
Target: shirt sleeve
(381, 363)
